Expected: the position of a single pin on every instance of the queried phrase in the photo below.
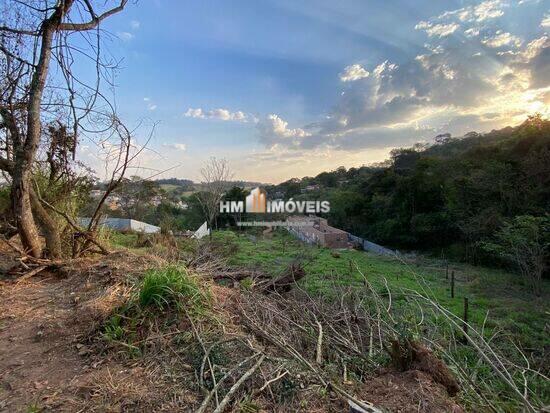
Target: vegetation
(444, 197)
(38, 149)
(168, 291)
(171, 287)
(525, 242)
(500, 304)
(498, 299)
(288, 326)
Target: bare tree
(215, 181)
(35, 38)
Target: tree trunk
(50, 228)
(25, 153)
(22, 211)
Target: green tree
(524, 242)
(234, 194)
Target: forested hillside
(448, 196)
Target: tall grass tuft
(172, 287)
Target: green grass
(164, 295)
(169, 187)
(495, 295)
(120, 239)
(499, 303)
(171, 287)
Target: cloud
(275, 131)
(125, 36)
(488, 10)
(443, 25)
(439, 30)
(177, 146)
(502, 39)
(545, 23)
(353, 72)
(135, 24)
(150, 105)
(219, 114)
(194, 113)
(485, 79)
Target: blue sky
(291, 88)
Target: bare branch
(95, 20)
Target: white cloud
(384, 68)
(488, 10)
(219, 114)
(146, 99)
(135, 24)
(439, 29)
(472, 32)
(151, 107)
(177, 146)
(502, 39)
(225, 114)
(535, 46)
(125, 36)
(479, 81)
(546, 21)
(194, 113)
(274, 130)
(442, 26)
(353, 72)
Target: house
(96, 193)
(182, 205)
(310, 188)
(315, 230)
(156, 200)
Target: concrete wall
(123, 224)
(336, 240)
(371, 246)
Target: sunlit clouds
(310, 102)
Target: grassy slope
(492, 293)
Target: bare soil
(46, 360)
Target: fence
(370, 246)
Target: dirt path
(39, 358)
(46, 361)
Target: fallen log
(283, 283)
(31, 273)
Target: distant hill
(175, 181)
(449, 195)
(189, 185)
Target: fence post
(452, 284)
(446, 270)
(465, 317)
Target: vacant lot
(497, 299)
(411, 296)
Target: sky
(286, 88)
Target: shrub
(525, 242)
(171, 287)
